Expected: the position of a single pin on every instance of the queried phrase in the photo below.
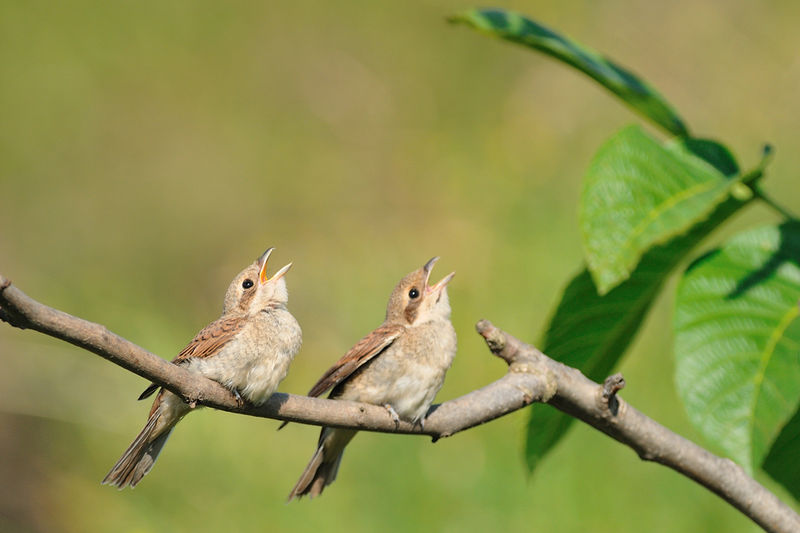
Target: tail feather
(148, 391)
(324, 465)
(140, 456)
(308, 475)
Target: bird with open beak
(248, 350)
(401, 366)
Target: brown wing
(210, 339)
(205, 344)
(361, 353)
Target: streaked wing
(361, 353)
(210, 339)
(205, 344)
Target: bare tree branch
(531, 377)
(601, 408)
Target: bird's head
(414, 301)
(252, 290)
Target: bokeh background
(150, 150)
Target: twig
(509, 393)
(760, 194)
(582, 398)
(531, 377)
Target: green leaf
(737, 343)
(716, 155)
(638, 193)
(781, 462)
(591, 332)
(628, 87)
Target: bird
(248, 350)
(401, 366)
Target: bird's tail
(138, 459)
(321, 470)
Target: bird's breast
(257, 358)
(409, 373)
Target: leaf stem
(759, 193)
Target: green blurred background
(150, 150)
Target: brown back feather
(211, 339)
(364, 350)
(206, 343)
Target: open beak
(279, 274)
(438, 287)
(262, 264)
(429, 267)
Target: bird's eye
(246, 284)
(413, 293)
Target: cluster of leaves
(645, 206)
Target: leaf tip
(458, 18)
(606, 279)
(469, 18)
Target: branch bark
(531, 377)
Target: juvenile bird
(248, 350)
(401, 366)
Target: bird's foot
(393, 414)
(239, 399)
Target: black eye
(413, 293)
(246, 284)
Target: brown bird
(248, 350)
(401, 366)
